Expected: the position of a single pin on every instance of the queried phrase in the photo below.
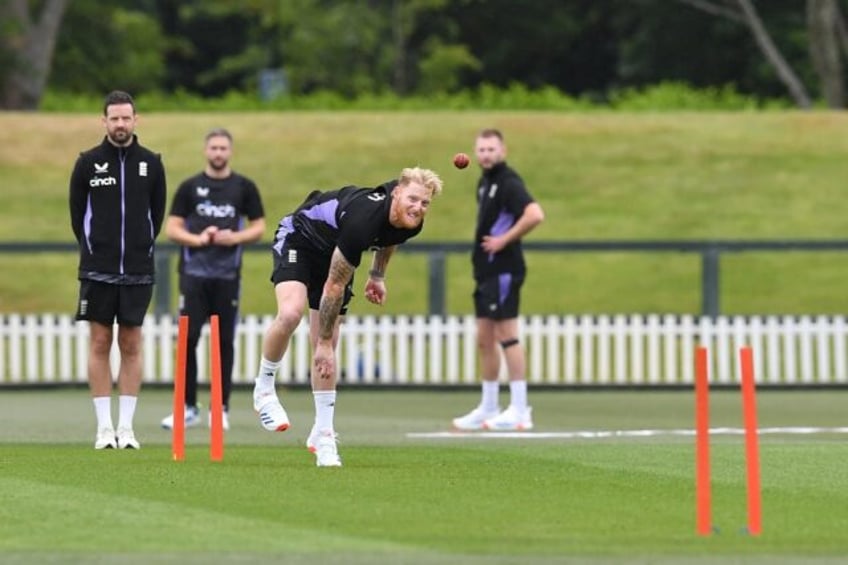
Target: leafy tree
(828, 48)
(217, 45)
(339, 46)
(104, 46)
(569, 45)
(27, 42)
(745, 13)
(591, 48)
(442, 65)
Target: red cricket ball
(461, 160)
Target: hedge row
(667, 96)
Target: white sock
(267, 376)
(518, 395)
(325, 409)
(126, 411)
(489, 403)
(103, 411)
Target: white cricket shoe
(272, 415)
(225, 421)
(105, 439)
(326, 451)
(474, 420)
(510, 419)
(126, 439)
(192, 418)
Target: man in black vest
(117, 204)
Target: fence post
(710, 281)
(436, 296)
(162, 289)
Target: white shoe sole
(459, 426)
(110, 442)
(508, 428)
(465, 428)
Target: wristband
(375, 274)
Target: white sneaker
(126, 439)
(326, 452)
(474, 419)
(224, 419)
(272, 415)
(510, 419)
(105, 439)
(192, 418)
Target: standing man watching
(316, 250)
(207, 219)
(505, 213)
(117, 204)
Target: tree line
(585, 48)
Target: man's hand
(493, 243)
(324, 360)
(207, 236)
(375, 291)
(226, 238)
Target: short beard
(216, 166)
(116, 141)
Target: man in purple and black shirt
(117, 204)
(505, 213)
(316, 250)
(214, 214)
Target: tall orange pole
(702, 443)
(178, 429)
(216, 423)
(752, 450)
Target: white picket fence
(601, 350)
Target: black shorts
(104, 303)
(497, 297)
(310, 268)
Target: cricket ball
(461, 160)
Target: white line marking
(605, 434)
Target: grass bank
(599, 176)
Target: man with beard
(208, 219)
(316, 250)
(506, 212)
(117, 204)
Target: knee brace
(507, 343)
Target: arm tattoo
(334, 290)
(381, 261)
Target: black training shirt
(351, 218)
(204, 201)
(501, 200)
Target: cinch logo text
(105, 181)
(209, 210)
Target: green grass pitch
(403, 498)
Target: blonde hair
(425, 177)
